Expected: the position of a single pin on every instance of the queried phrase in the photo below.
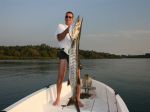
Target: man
(64, 42)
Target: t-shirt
(66, 42)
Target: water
(128, 77)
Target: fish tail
(75, 102)
(70, 102)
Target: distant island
(44, 51)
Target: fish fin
(68, 83)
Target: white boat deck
(103, 100)
(90, 105)
(93, 104)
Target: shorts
(63, 55)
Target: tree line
(44, 51)
(146, 55)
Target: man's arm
(62, 35)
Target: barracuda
(74, 61)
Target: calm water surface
(128, 77)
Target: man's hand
(62, 35)
(68, 29)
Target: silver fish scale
(73, 68)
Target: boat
(102, 99)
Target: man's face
(69, 19)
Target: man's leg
(79, 91)
(61, 75)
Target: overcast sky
(113, 26)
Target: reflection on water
(26, 68)
(129, 77)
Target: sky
(111, 26)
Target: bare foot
(80, 104)
(56, 102)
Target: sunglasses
(68, 17)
